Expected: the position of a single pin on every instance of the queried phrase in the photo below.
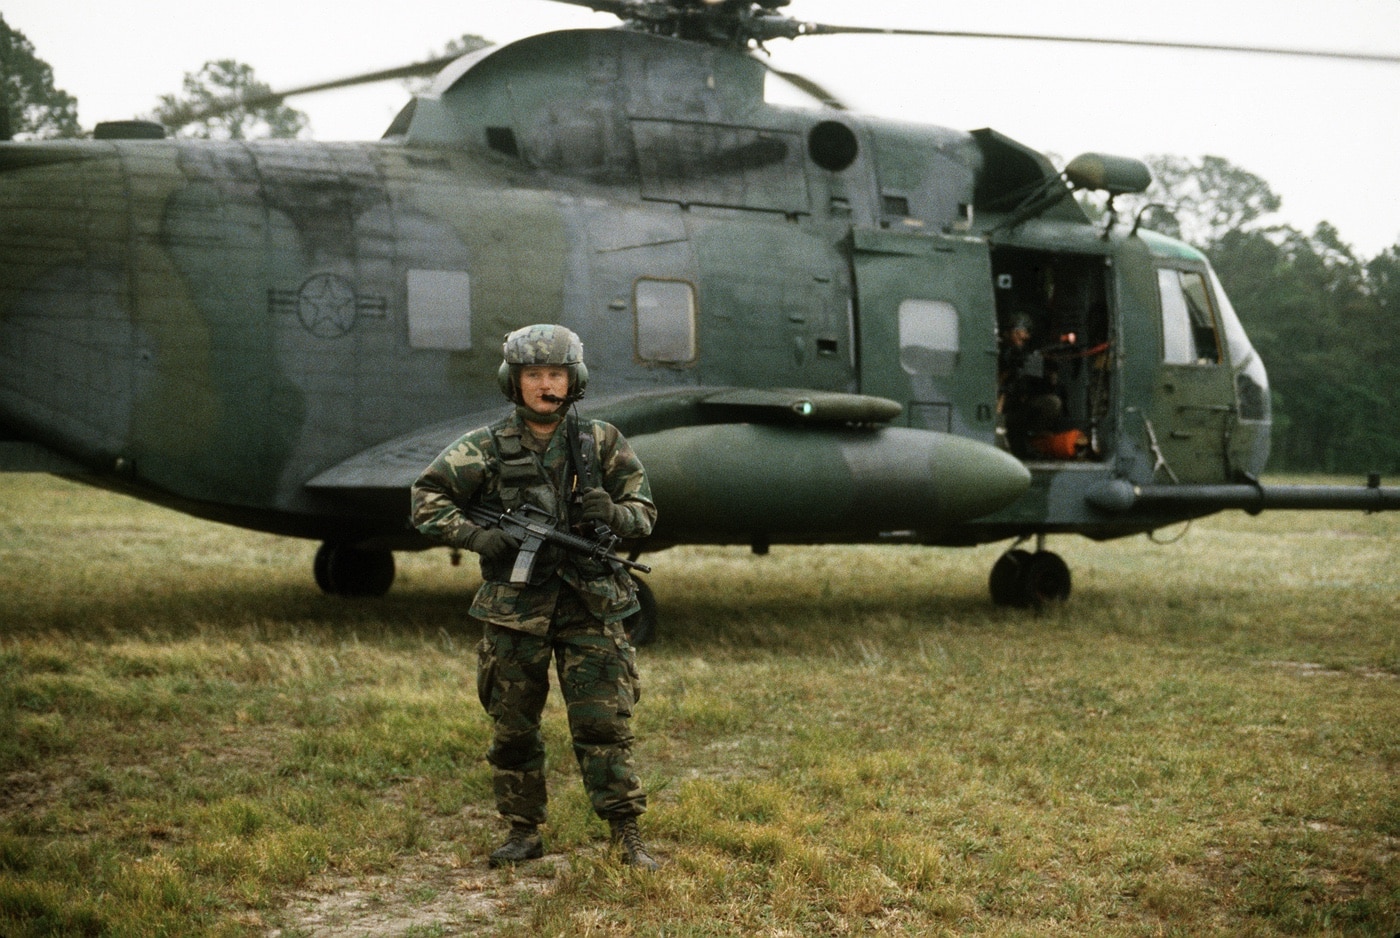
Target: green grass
(1204, 740)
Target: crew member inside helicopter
(1040, 374)
(1031, 401)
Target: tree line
(1323, 319)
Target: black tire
(1006, 578)
(641, 625)
(344, 570)
(321, 569)
(1045, 579)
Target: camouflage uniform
(572, 610)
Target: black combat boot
(524, 843)
(629, 840)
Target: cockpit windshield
(1251, 380)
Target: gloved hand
(492, 543)
(598, 506)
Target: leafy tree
(225, 101)
(1383, 276)
(1314, 312)
(32, 107)
(467, 42)
(1201, 201)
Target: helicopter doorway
(1054, 354)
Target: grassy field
(839, 741)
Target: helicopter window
(833, 146)
(1189, 334)
(711, 164)
(665, 321)
(1251, 380)
(440, 310)
(928, 337)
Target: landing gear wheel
(1029, 581)
(342, 569)
(1045, 579)
(1005, 581)
(641, 625)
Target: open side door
(927, 329)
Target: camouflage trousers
(597, 674)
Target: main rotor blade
(824, 29)
(809, 87)
(617, 8)
(414, 70)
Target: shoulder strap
(582, 450)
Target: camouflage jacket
(474, 470)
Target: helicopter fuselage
(281, 334)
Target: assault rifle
(534, 527)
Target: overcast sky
(1325, 135)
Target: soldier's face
(540, 381)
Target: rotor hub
(735, 23)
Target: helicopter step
(1029, 580)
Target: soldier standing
(581, 472)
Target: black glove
(598, 506)
(492, 543)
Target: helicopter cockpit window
(928, 337)
(710, 164)
(665, 321)
(1190, 335)
(1251, 380)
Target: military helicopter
(814, 327)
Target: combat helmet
(541, 344)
